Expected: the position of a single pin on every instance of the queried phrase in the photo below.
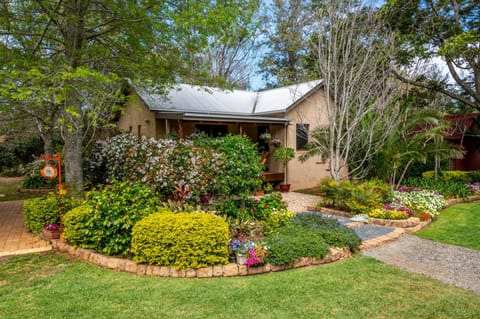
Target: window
(302, 136)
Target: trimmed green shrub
(78, 227)
(47, 209)
(182, 240)
(114, 212)
(291, 243)
(332, 232)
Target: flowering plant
(474, 188)
(254, 253)
(51, 227)
(256, 256)
(421, 201)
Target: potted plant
(268, 188)
(51, 231)
(284, 155)
(266, 137)
(276, 142)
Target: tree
(352, 53)
(287, 31)
(433, 29)
(80, 50)
(232, 47)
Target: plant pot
(284, 188)
(259, 193)
(241, 259)
(50, 234)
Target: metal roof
(208, 102)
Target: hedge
(182, 240)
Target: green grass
(457, 225)
(53, 286)
(9, 187)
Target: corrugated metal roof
(197, 99)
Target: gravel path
(298, 202)
(450, 264)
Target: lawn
(457, 225)
(9, 188)
(54, 286)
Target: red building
(465, 132)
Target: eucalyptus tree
(435, 29)
(351, 50)
(286, 32)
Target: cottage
(282, 116)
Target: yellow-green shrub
(275, 220)
(77, 227)
(46, 209)
(182, 240)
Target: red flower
(265, 206)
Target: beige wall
(307, 174)
(138, 117)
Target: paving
(450, 264)
(14, 237)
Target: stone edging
(230, 270)
(399, 223)
(454, 201)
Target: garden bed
(229, 270)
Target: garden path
(450, 264)
(298, 202)
(14, 237)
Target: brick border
(229, 270)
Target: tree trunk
(73, 161)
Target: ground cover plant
(53, 286)
(457, 225)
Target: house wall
(306, 174)
(137, 118)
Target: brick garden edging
(230, 270)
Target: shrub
(114, 212)
(182, 240)
(46, 209)
(78, 228)
(359, 198)
(269, 204)
(241, 173)
(448, 188)
(291, 243)
(276, 220)
(333, 233)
